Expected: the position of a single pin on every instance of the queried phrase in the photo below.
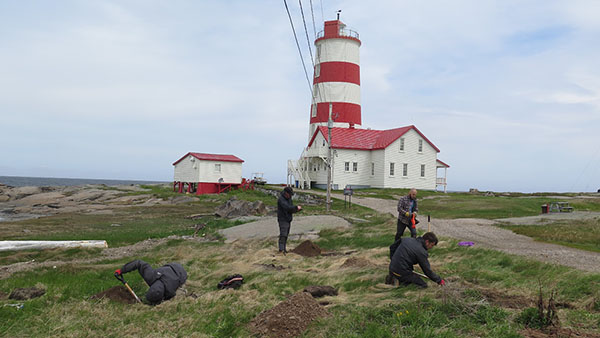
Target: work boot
(389, 279)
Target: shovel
(422, 275)
(120, 278)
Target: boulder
(236, 208)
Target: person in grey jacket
(163, 282)
(285, 209)
(413, 251)
(407, 209)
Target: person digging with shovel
(413, 251)
(163, 282)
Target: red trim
(211, 157)
(338, 72)
(444, 164)
(342, 112)
(332, 31)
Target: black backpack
(231, 282)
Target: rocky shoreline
(20, 203)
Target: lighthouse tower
(336, 78)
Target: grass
(364, 307)
(580, 234)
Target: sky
(509, 91)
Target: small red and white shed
(202, 173)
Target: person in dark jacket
(413, 251)
(285, 209)
(407, 209)
(163, 282)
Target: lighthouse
(336, 78)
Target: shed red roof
(211, 157)
(365, 139)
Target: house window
(217, 167)
(405, 169)
(420, 146)
(392, 169)
(314, 110)
(355, 166)
(372, 168)
(422, 170)
(401, 148)
(323, 143)
(346, 166)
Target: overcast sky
(509, 91)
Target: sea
(19, 181)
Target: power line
(299, 50)
(306, 31)
(313, 19)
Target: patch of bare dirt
(3, 295)
(318, 291)
(307, 249)
(504, 300)
(117, 293)
(26, 293)
(289, 318)
(556, 332)
(356, 262)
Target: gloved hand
(442, 283)
(118, 272)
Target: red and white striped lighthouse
(336, 77)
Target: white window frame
(420, 146)
(314, 110)
(317, 70)
(401, 145)
(405, 169)
(347, 167)
(355, 167)
(372, 168)
(392, 173)
(217, 167)
(422, 170)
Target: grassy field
(488, 293)
(580, 234)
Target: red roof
(365, 139)
(444, 164)
(211, 157)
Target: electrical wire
(312, 13)
(306, 31)
(299, 50)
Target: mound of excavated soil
(318, 291)
(289, 318)
(26, 293)
(117, 293)
(356, 262)
(3, 295)
(307, 249)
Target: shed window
(217, 167)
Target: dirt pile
(3, 295)
(26, 293)
(356, 262)
(307, 249)
(289, 318)
(117, 293)
(318, 291)
(236, 208)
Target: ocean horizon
(24, 181)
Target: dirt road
(484, 234)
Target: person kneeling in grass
(163, 282)
(413, 251)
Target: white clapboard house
(201, 173)
(394, 158)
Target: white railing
(440, 181)
(342, 32)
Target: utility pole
(329, 126)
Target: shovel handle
(122, 280)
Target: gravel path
(267, 227)
(483, 233)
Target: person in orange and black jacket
(407, 209)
